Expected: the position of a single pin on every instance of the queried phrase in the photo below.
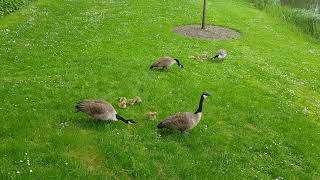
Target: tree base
(210, 32)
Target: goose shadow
(87, 123)
(168, 132)
(165, 132)
(160, 70)
(215, 61)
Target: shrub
(8, 6)
(305, 20)
(262, 4)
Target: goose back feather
(163, 62)
(221, 54)
(181, 121)
(97, 109)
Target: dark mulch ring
(210, 32)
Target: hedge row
(9, 6)
(306, 20)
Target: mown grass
(261, 122)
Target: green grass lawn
(262, 120)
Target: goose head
(205, 94)
(179, 64)
(130, 121)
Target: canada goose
(221, 54)
(165, 63)
(100, 110)
(184, 120)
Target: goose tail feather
(162, 124)
(79, 107)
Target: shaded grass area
(9, 6)
(307, 21)
(261, 122)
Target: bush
(8, 6)
(262, 4)
(306, 20)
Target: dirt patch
(210, 32)
(88, 158)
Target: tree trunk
(203, 26)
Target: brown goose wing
(164, 61)
(181, 121)
(95, 107)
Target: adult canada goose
(184, 120)
(100, 110)
(221, 54)
(165, 63)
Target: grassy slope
(262, 121)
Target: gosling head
(180, 65)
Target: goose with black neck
(165, 63)
(184, 121)
(101, 110)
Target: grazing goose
(184, 120)
(100, 110)
(221, 54)
(165, 63)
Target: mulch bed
(210, 32)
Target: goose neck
(199, 110)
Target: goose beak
(206, 94)
(130, 121)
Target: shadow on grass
(215, 61)
(167, 132)
(88, 123)
(172, 133)
(160, 70)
